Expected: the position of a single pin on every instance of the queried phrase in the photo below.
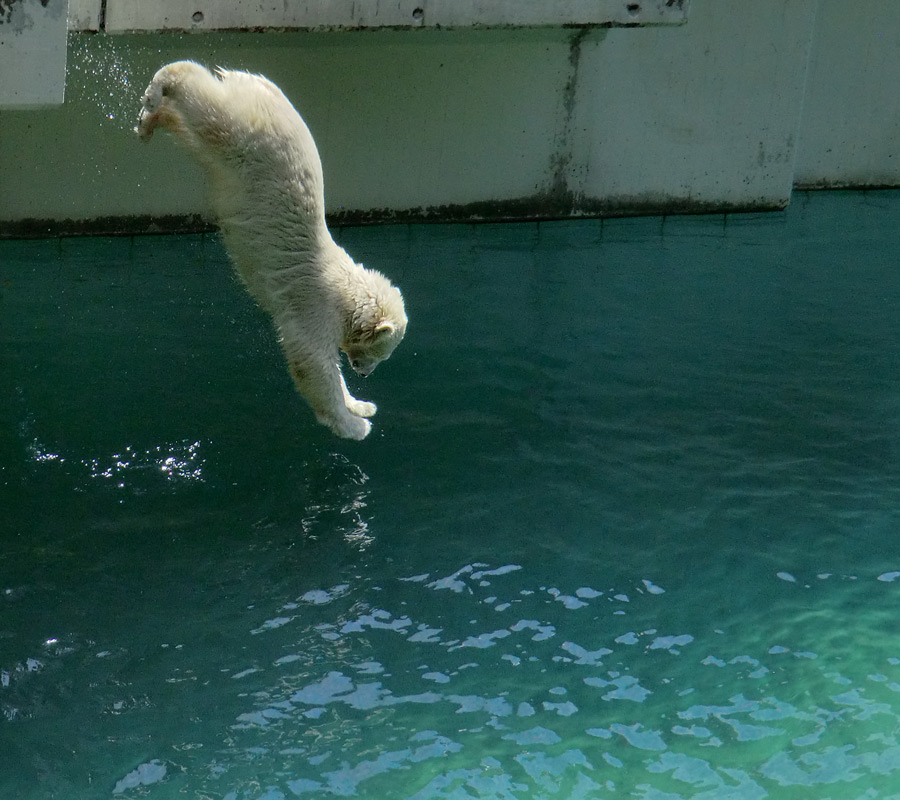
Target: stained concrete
(726, 112)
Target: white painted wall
(32, 53)
(850, 134)
(725, 112)
(696, 117)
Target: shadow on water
(624, 527)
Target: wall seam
(798, 129)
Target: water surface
(625, 528)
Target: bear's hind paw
(148, 116)
(152, 97)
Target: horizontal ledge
(139, 16)
(523, 210)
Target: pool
(626, 527)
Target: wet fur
(267, 193)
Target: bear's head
(377, 328)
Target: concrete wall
(700, 117)
(129, 16)
(725, 112)
(850, 134)
(32, 52)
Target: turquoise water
(626, 527)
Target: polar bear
(267, 192)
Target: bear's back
(275, 172)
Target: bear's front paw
(352, 427)
(347, 426)
(361, 408)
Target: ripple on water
(543, 699)
(651, 555)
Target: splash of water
(99, 72)
(177, 462)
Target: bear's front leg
(359, 407)
(322, 384)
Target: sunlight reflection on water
(578, 703)
(181, 461)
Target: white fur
(267, 192)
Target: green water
(627, 526)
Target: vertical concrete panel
(82, 160)
(85, 15)
(701, 116)
(851, 113)
(32, 53)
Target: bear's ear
(384, 328)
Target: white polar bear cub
(267, 192)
